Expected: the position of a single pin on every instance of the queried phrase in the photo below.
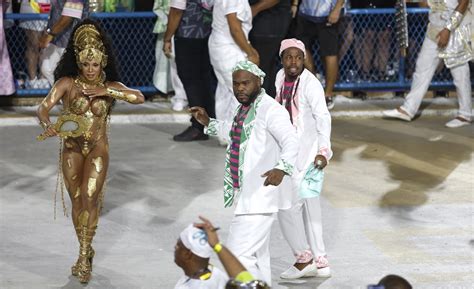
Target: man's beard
(253, 95)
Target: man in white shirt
(447, 38)
(228, 44)
(262, 150)
(192, 253)
(301, 93)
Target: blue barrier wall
(134, 44)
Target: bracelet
(117, 94)
(50, 32)
(454, 20)
(217, 248)
(44, 125)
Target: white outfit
(218, 279)
(271, 144)
(456, 56)
(50, 57)
(225, 53)
(36, 25)
(301, 225)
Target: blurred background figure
(63, 16)
(189, 22)
(7, 86)
(266, 35)
(319, 19)
(165, 75)
(374, 40)
(33, 31)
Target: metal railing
(384, 69)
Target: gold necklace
(84, 82)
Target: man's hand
(200, 115)
(254, 57)
(320, 162)
(44, 40)
(167, 45)
(443, 38)
(334, 16)
(274, 177)
(294, 10)
(211, 231)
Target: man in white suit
(262, 150)
(301, 93)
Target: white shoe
(394, 113)
(179, 105)
(454, 123)
(294, 273)
(322, 264)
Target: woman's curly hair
(67, 65)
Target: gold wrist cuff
(45, 125)
(117, 94)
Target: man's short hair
(394, 282)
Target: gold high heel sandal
(83, 267)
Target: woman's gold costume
(85, 159)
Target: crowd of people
(276, 125)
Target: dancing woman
(87, 85)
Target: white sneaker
(394, 113)
(322, 265)
(454, 123)
(294, 273)
(178, 105)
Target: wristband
(217, 248)
(49, 32)
(44, 125)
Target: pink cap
(292, 42)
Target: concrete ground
(398, 198)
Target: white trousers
(50, 57)
(223, 59)
(165, 75)
(426, 65)
(249, 239)
(302, 228)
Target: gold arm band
(117, 94)
(454, 20)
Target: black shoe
(190, 134)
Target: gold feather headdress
(88, 45)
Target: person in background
(448, 39)
(266, 35)
(33, 30)
(320, 19)
(63, 16)
(392, 282)
(165, 75)
(189, 21)
(7, 86)
(228, 44)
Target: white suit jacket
(311, 118)
(272, 144)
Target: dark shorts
(327, 36)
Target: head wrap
(195, 240)
(88, 45)
(292, 42)
(250, 67)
